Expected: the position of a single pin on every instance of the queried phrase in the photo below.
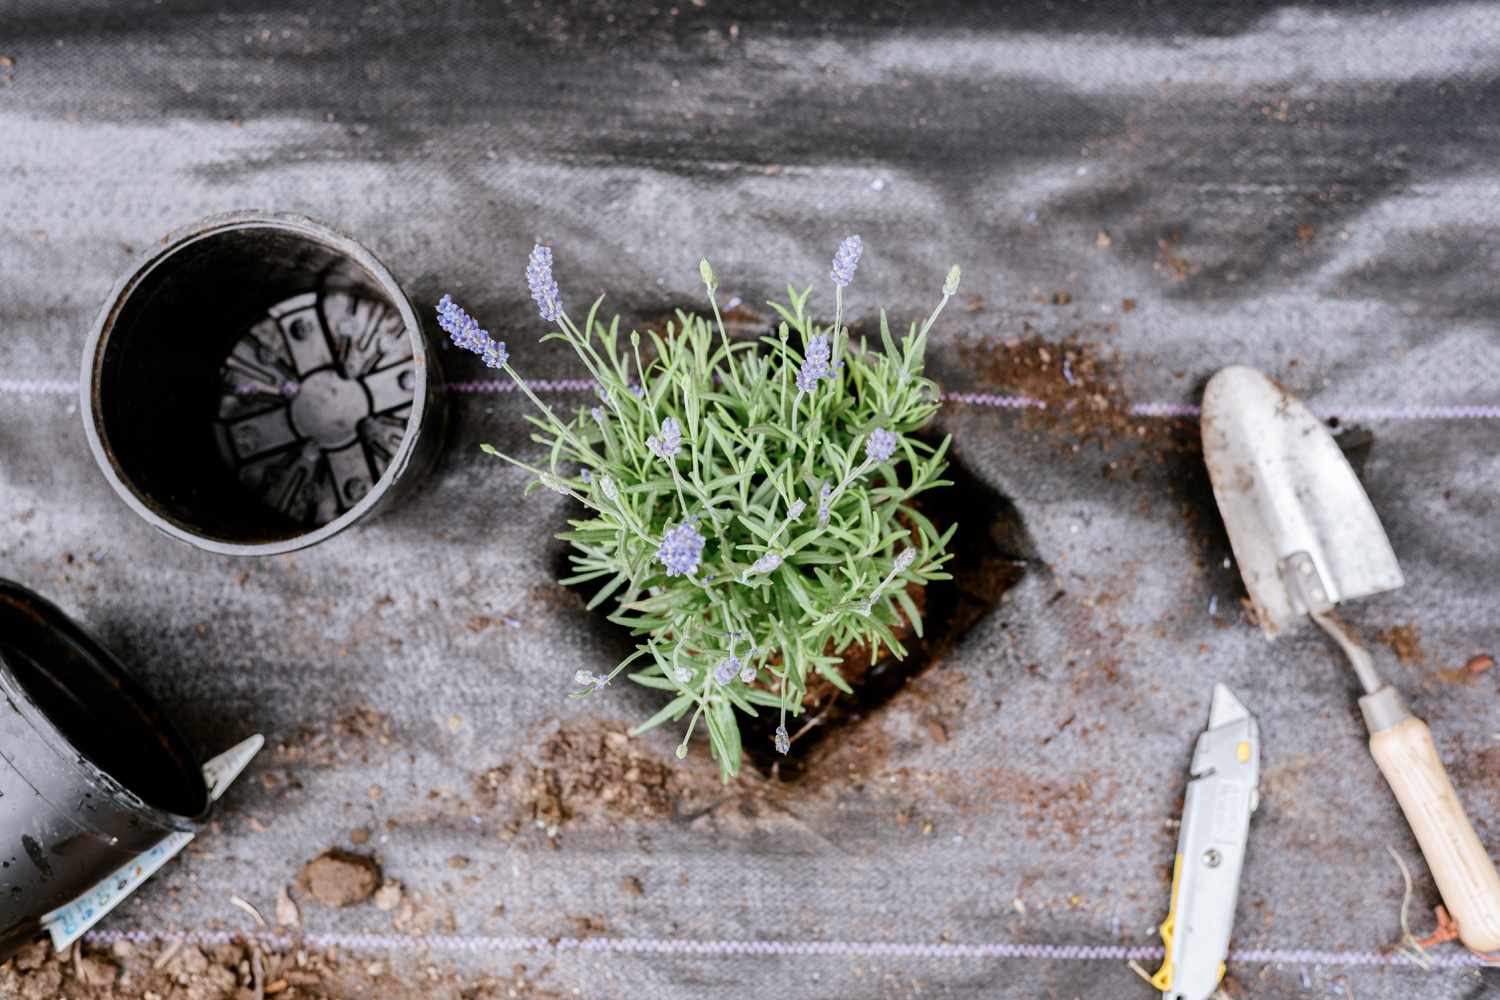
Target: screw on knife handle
(1460, 866)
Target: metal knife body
(1222, 792)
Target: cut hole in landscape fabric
(991, 552)
(753, 509)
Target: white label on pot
(71, 921)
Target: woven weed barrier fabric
(1136, 197)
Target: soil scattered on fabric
(346, 738)
(177, 971)
(1083, 399)
(1406, 642)
(338, 878)
(595, 774)
(1466, 671)
(1088, 414)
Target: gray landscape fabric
(1168, 187)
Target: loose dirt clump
(338, 878)
(589, 775)
(242, 971)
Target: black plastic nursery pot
(91, 773)
(259, 383)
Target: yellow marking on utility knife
(1163, 978)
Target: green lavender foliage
(753, 447)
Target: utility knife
(1222, 792)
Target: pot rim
(159, 255)
(67, 754)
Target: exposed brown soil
(177, 971)
(856, 662)
(1406, 642)
(1080, 387)
(1465, 672)
(347, 737)
(593, 774)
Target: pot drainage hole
(314, 402)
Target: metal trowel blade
(1289, 498)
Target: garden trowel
(1306, 538)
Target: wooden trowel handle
(1462, 869)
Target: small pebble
(388, 897)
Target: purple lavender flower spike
(683, 675)
(465, 332)
(905, 559)
(494, 354)
(681, 549)
(543, 288)
(669, 444)
(747, 674)
(881, 445)
(783, 741)
(846, 260)
(728, 667)
(795, 510)
(815, 366)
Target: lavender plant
(749, 504)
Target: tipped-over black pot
(91, 774)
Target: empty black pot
(91, 774)
(259, 383)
